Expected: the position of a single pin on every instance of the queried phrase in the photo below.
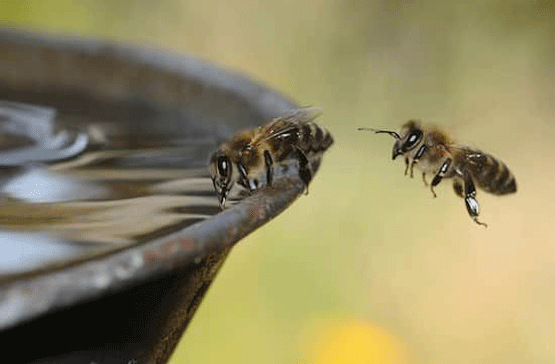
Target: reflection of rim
(37, 124)
(156, 96)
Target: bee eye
(223, 166)
(413, 138)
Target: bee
(435, 153)
(254, 152)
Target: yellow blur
(353, 342)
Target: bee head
(411, 134)
(221, 170)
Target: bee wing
(478, 162)
(308, 113)
(284, 124)
(473, 157)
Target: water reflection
(40, 185)
(24, 251)
(27, 135)
(72, 193)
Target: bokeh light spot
(355, 342)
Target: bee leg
(269, 168)
(304, 171)
(416, 158)
(424, 179)
(470, 199)
(244, 177)
(406, 165)
(440, 174)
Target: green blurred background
(369, 268)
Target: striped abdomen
(490, 174)
(309, 137)
(314, 138)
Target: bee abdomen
(316, 138)
(495, 177)
(309, 137)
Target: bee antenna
(378, 131)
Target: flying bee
(435, 153)
(254, 151)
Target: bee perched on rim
(434, 152)
(254, 151)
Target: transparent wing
(475, 159)
(283, 125)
